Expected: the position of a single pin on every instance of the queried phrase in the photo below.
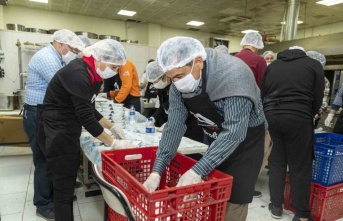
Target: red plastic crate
(326, 202)
(129, 168)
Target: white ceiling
(265, 15)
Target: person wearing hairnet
(124, 86)
(220, 91)
(251, 43)
(321, 58)
(162, 83)
(41, 68)
(268, 56)
(292, 93)
(68, 106)
(222, 49)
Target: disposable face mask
(107, 73)
(66, 58)
(161, 84)
(188, 83)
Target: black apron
(59, 138)
(129, 99)
(245, 162)
(151, 91)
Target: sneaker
(275, 211)
(297, 218)
(257, 194)
(47, 215)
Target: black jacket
(293, 84)
(160, 114)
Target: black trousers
(293, 146)
(63, 198)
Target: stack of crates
(127, 169)
(326, 201)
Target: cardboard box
(12, 131)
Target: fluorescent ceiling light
(195, 23)
(330, 2)
(40, 1)
(249, 30)
(127, 13)
(299, 22)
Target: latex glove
(119, 144)
(160, 129)
(104, 95)
(152, 182)
(117, 133)
(189, 178)
(328, 120)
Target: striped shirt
(325, 100)
(238, 113)
(42, 67)
(338, 102)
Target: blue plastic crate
(327, 168)
(329, 139)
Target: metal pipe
(20, 61)
(292, 19)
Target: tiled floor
(16, 193)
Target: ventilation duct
(235, 19)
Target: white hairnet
(297, 47)
(67, 37)
(178, 51)
(85, 40)
(267, 53)
(108, 51)
(254, 39)
(317, 56)
(153, 71)
(222, 49)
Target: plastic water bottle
(150, 131)
(132, 118)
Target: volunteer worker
(69, 105)
(162, 83)
(220, 91)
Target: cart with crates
(326, 202)
(129, 168)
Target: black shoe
(74, 198)
(47, 215)
(297, 218)
(275, 212)
(257, 194)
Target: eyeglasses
(73, 50)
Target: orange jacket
(130, 83)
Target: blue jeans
(43, 188)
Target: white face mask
(161, 84)
(188, 83)
(66, 58)
(107, 73)
(268, 63)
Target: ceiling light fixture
(248, 30)
(299, 22)
(40, 1)
(126, 13)
(330, 2)
(195, 23)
